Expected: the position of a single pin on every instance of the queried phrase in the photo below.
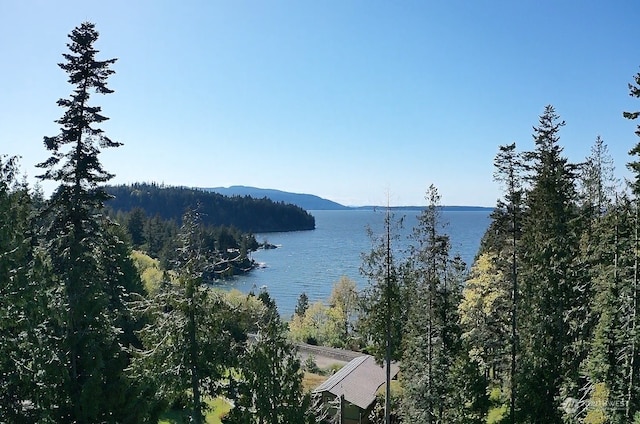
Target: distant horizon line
(365, 206)
(355, 207)
(415, 207)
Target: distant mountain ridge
(305, 201)
(313, 202)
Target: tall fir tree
(508, 170)
(437, 372)
(634, 166)
(597, 182)
(631, 398)
(383, 314)
(94, 358)
(549, 333)
(601, 245)
(424, 363)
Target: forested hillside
(158, 238)
(245, 213)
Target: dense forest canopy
(243, 212)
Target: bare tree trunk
(387, 397)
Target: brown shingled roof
(358, 381)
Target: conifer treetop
(78, 123)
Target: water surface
(312, 261)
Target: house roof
(358, 381)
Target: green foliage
(328, 325)
(192, 337)
(269, 387)
(302, 305)
(555, 285)
(22, 305)
(634, 166)
(597, 181)
(344, 304)
(149, 270)
(441, 383)
(498, 411)
(497, 414)
(552, 291)
(310, 365)
(377, 414)
(88, 270)
(217, 409)
(307, 328)
(485, 315)
(158, 238)
(382, 315)
(613, 261)
(597, 411)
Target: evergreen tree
(631, 360)
(189, 343)
(382, 304)
(550, 327)
(607, 367)
(436, 370)
(19, 313)
(424, 364)
(269, 387)
(597, 181)
(509, 168)
(93, 358)
(135, 227)
(302, 305)
(634, 166)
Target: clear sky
(355, 101)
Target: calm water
(312, 261)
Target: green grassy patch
(218, 408)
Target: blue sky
(355, 101)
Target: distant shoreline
(419, 208)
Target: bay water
(313, 261)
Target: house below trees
(351, 392)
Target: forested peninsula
(243, 212)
